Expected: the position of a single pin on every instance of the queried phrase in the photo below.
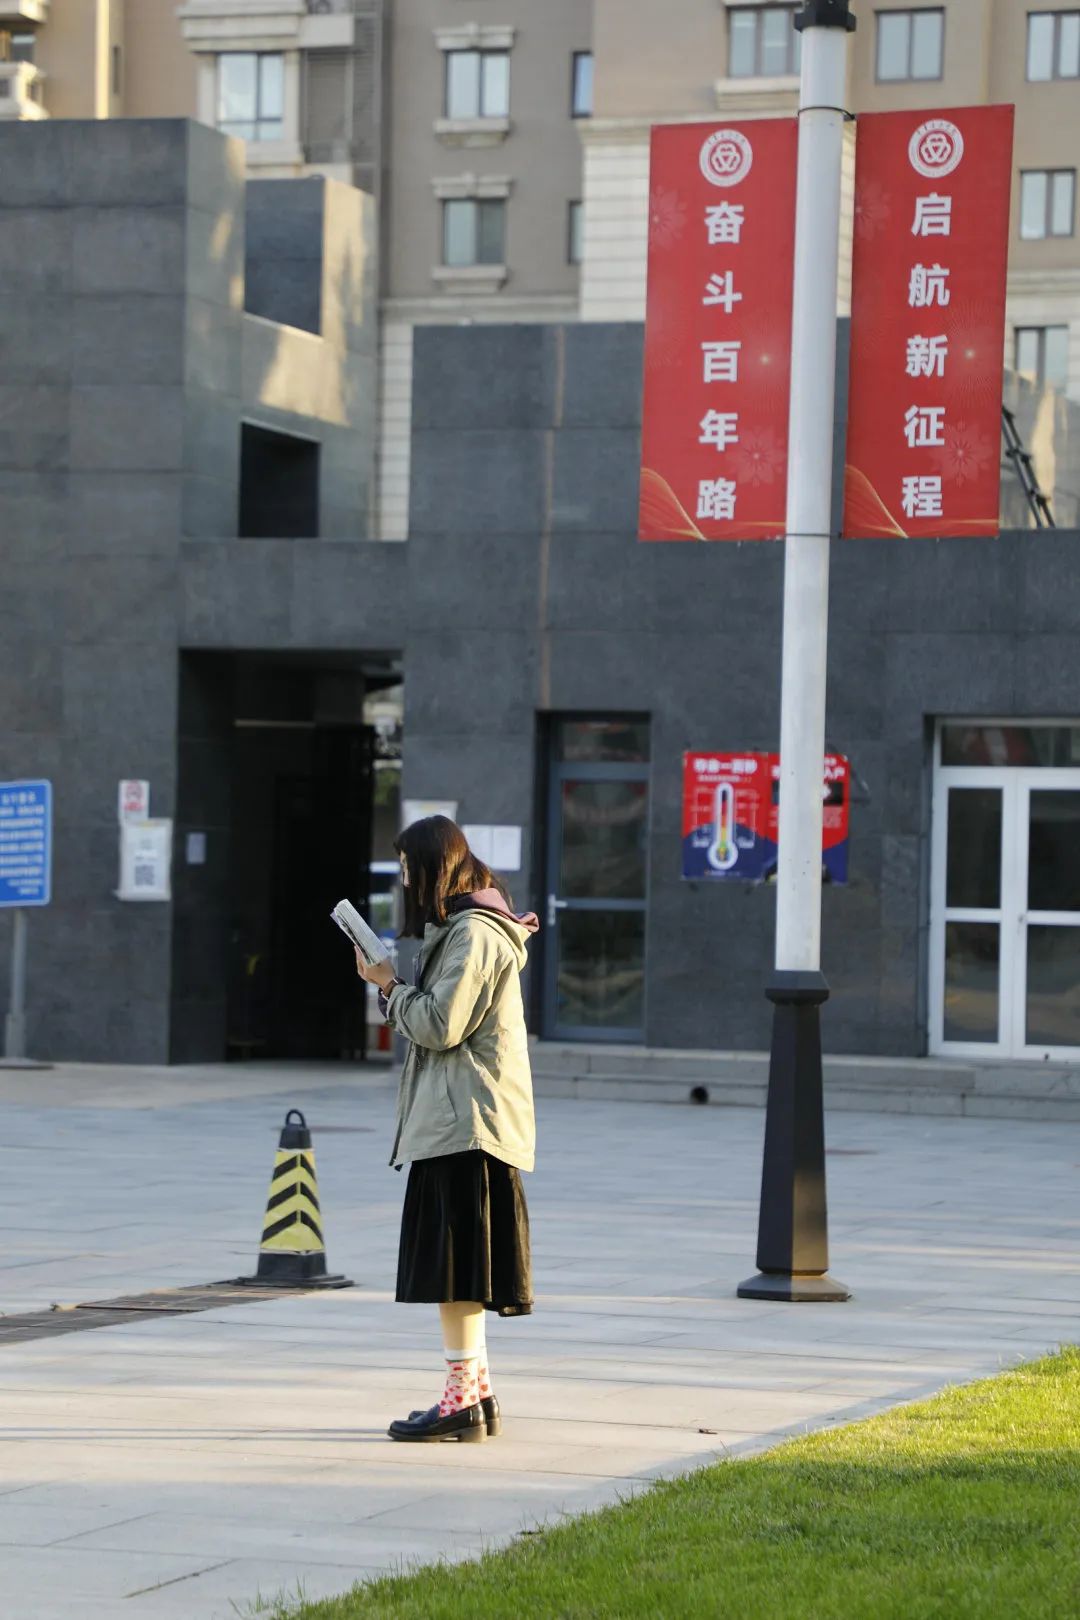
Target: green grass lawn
(964, 1505)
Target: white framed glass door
(969, 900)
(1048, 928)
(1005, 893)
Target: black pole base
(788, 1287)
(793, 1241)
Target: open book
(354, 927)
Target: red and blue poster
(731, 817)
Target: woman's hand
(382, 974)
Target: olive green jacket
(466, 1082)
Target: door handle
(554, 905)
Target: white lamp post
(793, 1251)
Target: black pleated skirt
(465, 1235)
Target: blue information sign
(25, 843)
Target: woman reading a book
(465, 1115)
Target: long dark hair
(440, 865)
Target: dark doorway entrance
(302, 834)
(275, 801)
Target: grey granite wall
(529, 592)
(109, 334)
(309, 344)
(127, 363)
(126, 367)
(283, 252)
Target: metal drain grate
(102, 1313)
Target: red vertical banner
(718, 331)
(928, 322)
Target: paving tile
(137, 1453)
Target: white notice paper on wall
(498, 846)
(145, 860)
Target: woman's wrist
(383, 976)
(385, 992)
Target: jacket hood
(517, 925)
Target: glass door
(969, 883)
(1005, 892)
(1048, 916)
(598, 818)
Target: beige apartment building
(93, 59)
(508, 186)
(741, 58)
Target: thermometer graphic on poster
(731, 817)
(723, 851)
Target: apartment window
(251, 95)
(909, 45)
(1047, 203)
(478, 84)
(1042, 355)
(22, 47)
(574, 235)
(1053, 45)
(762, 42)
(117, 70)
(581, 85)
(474, 231)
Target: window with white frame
(910, 45)
(575, 239)
(1042, 355)
(581, 84)
(763, 42)
(477, 84)
(473, 231)
(1053, 45)
(1047, 203)
(251, 95)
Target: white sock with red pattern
(462, 1387)
(483, 1374)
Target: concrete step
(924, 1086)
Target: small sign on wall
(146, 860)
(134, 801)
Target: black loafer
(468, 1424)
(492, 1416)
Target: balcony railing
(21, 85)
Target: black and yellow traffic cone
(292, 1253)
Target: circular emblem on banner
(936, 148)
(726, 157)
